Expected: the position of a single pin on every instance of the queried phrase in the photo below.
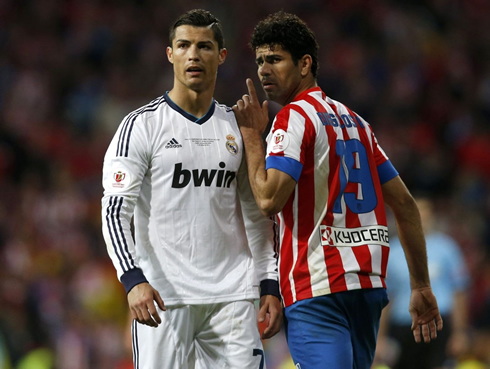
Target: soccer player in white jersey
(193, 270)
(328, 179)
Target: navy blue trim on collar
(189, 116)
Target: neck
(193, 102)
(305, 84)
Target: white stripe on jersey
(350, 263)
(294, 243)
(375, 251)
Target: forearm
(410, 231)
(271, 188)
(413, 241)
(255, 157)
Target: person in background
(450, 282)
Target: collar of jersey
(303, 94)
(189, 116)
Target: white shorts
(222, 335)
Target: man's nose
(193, 53)
(264, 70)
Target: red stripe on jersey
(335, 269)
(306, 209)
(363, 257)
(287, 257)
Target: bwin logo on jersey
(173, 144)
(182, 177)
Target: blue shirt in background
(447, 270)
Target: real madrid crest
(231, 145)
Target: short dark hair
(199, 18)
(289, 32)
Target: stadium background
(418, 71)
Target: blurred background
(418, 71)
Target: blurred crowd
(418, 71)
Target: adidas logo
(172, 144)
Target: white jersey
(184, 180)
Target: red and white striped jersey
(333, 228)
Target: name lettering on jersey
(218, 177)
(348, 121)
(173, 144)
(231, 145)
(350, 237)
(279, 141)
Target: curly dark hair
(289, 32)
(199, 18)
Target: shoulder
(222, 111)
(146, 110)
(222, 108)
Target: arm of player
(423, 304)
(262, 238)
(125, 165)
(271, 188)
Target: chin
(269, 95)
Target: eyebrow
(268, 58)
(198, 42)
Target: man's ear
(222, 56)
(305, 63)
(169, 52)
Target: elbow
(269, 207)
(404, 202)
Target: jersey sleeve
(287, 141)
(125, 164)
(262, 236)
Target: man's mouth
(194, 70)
(267, 85)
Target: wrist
(420, 286)
(269, 287)
(250, 134)
(132, 278)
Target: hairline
(209, 26)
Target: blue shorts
(335, 331)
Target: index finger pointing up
(251, 91)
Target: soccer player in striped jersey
(201, 246)
(328, 179)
